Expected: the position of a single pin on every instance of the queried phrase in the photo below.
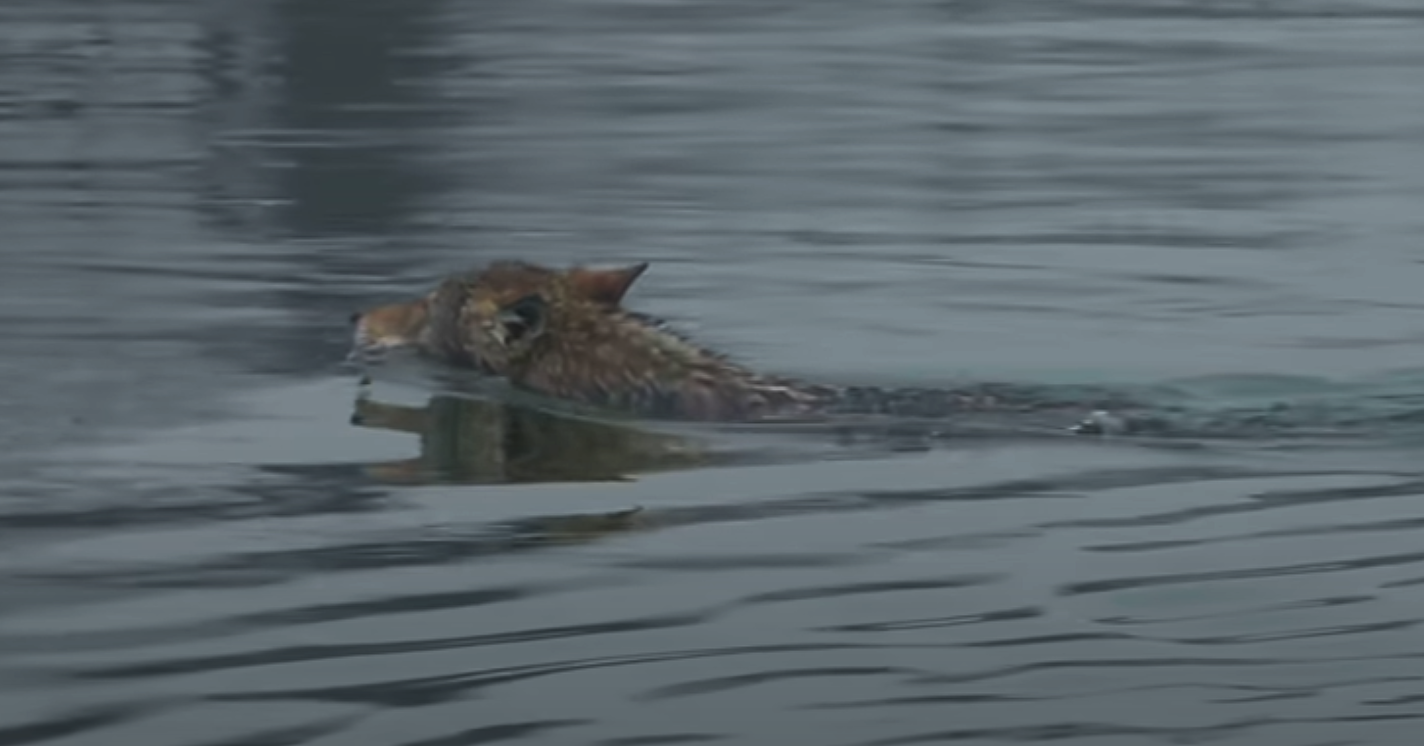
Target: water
(210, 540)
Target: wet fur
(565, 334)
(612, 358)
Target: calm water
(208, 539)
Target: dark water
(200, 547)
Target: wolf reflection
(469, 440)
(466, 440)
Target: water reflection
(314, 120)
(320, 129)
(475, 441)
(1097, 189)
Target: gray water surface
(209, 537)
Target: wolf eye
(523, 318)
(354, 317)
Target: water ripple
(1209, 209)
(71, 723)
(1066, 731)
(665, 739)
(425, 691)
(292, 736)
(988, 617)
(841, 591)
(496, 733)
(1304, 568)
(308, 653)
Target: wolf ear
(605, 285)
(523, 319)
